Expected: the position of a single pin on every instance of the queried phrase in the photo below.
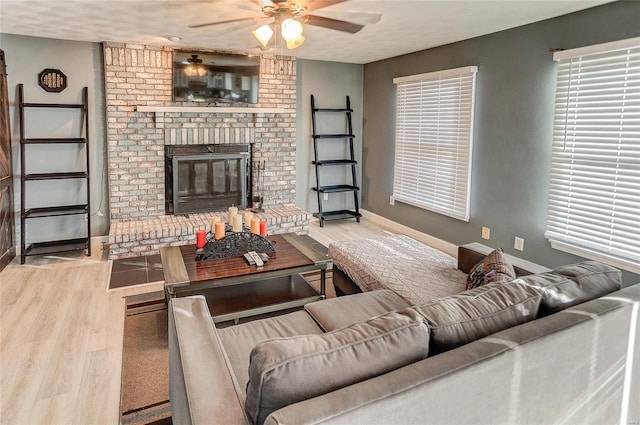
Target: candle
(263, 228)
(214, 220)
(200, 238)
(255, 226)
(237, 223)
(219, 230)
(248, 216)
(232, 211)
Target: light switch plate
(519, 244)
(486, 233)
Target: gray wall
(330, 83)
(512, 128)
(82, 64)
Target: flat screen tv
(215, 78)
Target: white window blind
(434, 127)
(594, 189)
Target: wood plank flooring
(61, 338)
(61, 335)
(344, 230)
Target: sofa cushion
(474, 314)
(239, 340)
(573, 284)
(495, 267)
(344, 311)
(289, 370)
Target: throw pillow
(284, 371)
(494, 268)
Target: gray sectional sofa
(553, 347)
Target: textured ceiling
(405, 27)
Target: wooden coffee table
(234, 289)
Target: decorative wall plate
(52, 80)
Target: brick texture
(137, 75)
(145, 237)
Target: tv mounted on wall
(215, 78)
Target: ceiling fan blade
(311, 5)
(244, 26)
(334, 24)
(221, 22)
(365, 18)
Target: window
(594, 188)
(434, 127)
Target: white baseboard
(426, 239)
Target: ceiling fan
(287, 17)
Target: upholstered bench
(413, 270)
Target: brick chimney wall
(139, 75)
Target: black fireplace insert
(203, 178)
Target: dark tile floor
(134, 271)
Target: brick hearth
(145, 237)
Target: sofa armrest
(201, 384)
(472, 253)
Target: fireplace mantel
(160, 110)
(209, 109)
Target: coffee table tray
(255, 298)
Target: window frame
(571, 128)
(448, 141)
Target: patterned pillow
(494, 268)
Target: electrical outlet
(391, 200)
(519, 244)
(486, 233)
(326, 197)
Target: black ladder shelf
(82, 210)
(320, 163)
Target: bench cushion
(288, 370)
(413, 270)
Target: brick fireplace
(142, 120)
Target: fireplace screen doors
(208, 182)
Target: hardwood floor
(61, 335)
(344, 230)
(61, 342)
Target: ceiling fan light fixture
(263, 34)
(190, 71)
(288, 16)
(292, 44)
(291, 30)
(195, 69)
